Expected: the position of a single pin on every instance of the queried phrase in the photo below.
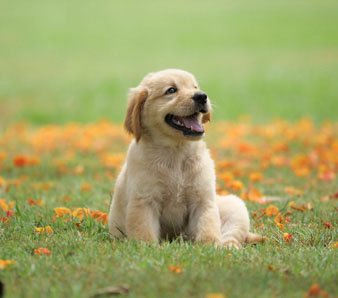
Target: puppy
(166, 187)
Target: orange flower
(327, 175)
(20, 161)
(279, 221)
(287, 237)
(10, 213)
(175, 269)
(271, 210)
(79, 170)
(80, 212)
(253, 194)
(42, 251)
(35, 202)
(43, 230)
(110, 160)
(236, 185)
(3, 156)
(5, 263)
(86, 187)
(42, 186)
(62, 211)
(226, 177)
(328, 225)
(33, 161)
(2, 181)
(315, 291)
(293, 191)
(5, 206)
(100, 216)
(256, 177)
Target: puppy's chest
(174, 185)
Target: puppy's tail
(254, 238)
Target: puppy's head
(168, 103)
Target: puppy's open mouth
(189, 125)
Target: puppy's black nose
(200, 98)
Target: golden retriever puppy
(166, 187)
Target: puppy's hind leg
(235, 222)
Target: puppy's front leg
(204, 224)
(142, 221)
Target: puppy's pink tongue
(193, 123)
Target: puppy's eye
(171, 90)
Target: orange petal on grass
(226, 177)
(175, 269)
(252, 194)
(3, 156)
(43, 230)
(279, 221)
(32, 202)
(20, 161)
(293, 191)
(215, 295)
(236, 185)
(79, 170)
(271, 211)
(4, 206)
(10, 213)
(325, 199)
(86, 187)
(80, 212)
(100, 216)
(5, 263)
(287, 237)
(2, 181)
(62, 211)
(256, 177)
(327, 175)
(42, 251)
(328, 225)
(316, 291)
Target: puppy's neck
(168, 144)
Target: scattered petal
(175, 269)
(42, 251)
(5, 263)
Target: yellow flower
(43, 230)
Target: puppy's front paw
(232, 243)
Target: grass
(65, 61)
(83, 257)
(69, 61)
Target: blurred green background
(66, 61)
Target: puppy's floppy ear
(206, 117)
(132, 123)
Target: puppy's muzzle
(200, 99)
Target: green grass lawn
(75, 173)
(72, 61)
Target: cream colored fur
(166, 187)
